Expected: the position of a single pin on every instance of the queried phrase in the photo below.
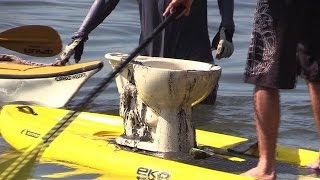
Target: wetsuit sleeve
(226, 8)
(99, 10)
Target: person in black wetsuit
(185, 38)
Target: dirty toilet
(156, 96)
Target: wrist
(80, 34)
(228, 33)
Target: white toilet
(156, 95)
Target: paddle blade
(33, 40)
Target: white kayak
(51, 86)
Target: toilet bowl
(156, 96)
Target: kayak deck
(21, 71)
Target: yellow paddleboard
(89, 141)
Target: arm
(226, 8)
(222, 41)
(99, 10)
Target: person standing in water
(284, 44)
(185, 38)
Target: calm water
(119, 33)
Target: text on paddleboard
(30, 133)
(150, 174)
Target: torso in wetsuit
(185, 38)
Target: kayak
(51, 86)
(90, 141)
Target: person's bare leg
(314, 91)
(267, 115)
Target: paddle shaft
(38, 149)
(33, 40)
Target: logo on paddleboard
(30, 133)
(151, 174)
(70, 77)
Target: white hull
(55, 91)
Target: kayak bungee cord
(33, 153)
(8, 58)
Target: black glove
(74, 48)
(78, 50)
(222, 42)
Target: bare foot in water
(315, 165)
(259, 174)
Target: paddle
(33, 40)
(32, 154)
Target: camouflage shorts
(284, 43)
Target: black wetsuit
(185, 38)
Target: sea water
(233, 112)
